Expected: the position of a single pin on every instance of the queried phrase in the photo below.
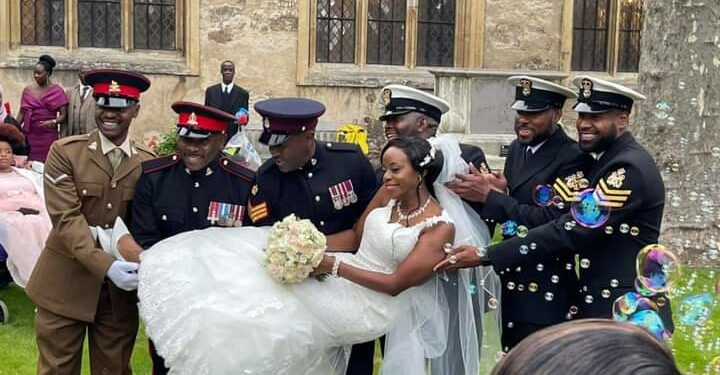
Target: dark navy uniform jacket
(332, 189)
(629, 178)
(558, 158)
(169, 199)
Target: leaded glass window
(42, 22)
(335, 34)
(386, 32)
(590, 35)
(154, 24)
(436, 33)
(99, 23)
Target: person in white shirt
(227, 96)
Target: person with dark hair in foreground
(589, 347)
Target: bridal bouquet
(294, 249)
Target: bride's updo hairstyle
(422, 156)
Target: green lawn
(18, 353)
(694, 346)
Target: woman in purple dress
(42, 109)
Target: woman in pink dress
(42, 109)
(24, 221)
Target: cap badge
(266, 123)
(192, 120)
(526, 85)
(114, 87)
(587, 87)
(386, 96)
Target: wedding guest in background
(227, 96)
(20, 150)
(24, 221)
(42, 108)
(589, 347)
(81, 107)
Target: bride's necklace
(414, 214)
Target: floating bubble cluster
(630, 303)
(634, 308)
(658, 270)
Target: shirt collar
(225, 87)
(597, 155)
(106, 145)
(534, 149)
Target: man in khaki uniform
(78, 288)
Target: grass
(18, 353)
(695, 346)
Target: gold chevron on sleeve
(564, 191)
(608, 191)
(612, 198)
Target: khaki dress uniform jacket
(68, 283)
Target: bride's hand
(464, 256)
(325, 266)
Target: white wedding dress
(210, 307)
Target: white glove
(124, 274)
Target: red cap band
(201, 122)
(115, 89)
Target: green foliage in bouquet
(168, 143)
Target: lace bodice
(384, 245)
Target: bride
(210, 306)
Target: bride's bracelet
(336, 267)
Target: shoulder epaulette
(154, 165)
(73, 139)
(341, 146)
(237, 168)
(143, 148)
